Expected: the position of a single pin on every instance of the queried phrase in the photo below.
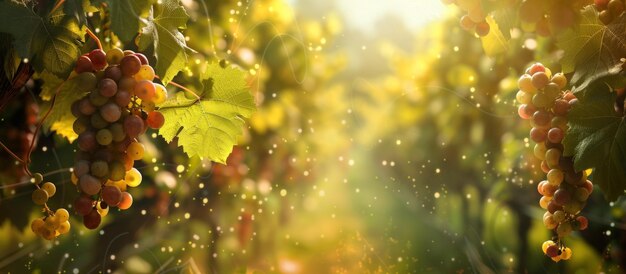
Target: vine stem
(184, 88)
(94, 37)
(57, 6)
(11, 153)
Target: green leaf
(60, 118)
(163, 37)
(495, 42)
(209, 127)
(584, 82)
(78, 9)
(593, 47)
(128, 17)
(597, 139)
(52, 43)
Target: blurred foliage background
(391, 150)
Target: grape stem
(11, 153)
(94, 37)
(57, 6)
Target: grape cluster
(609, 10)
(474, 19)
(54, 223)
(565, 190)
(119, 107)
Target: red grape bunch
(54, 223)
(609, 10)
(119, 107)
(565, 190)
(474, 19)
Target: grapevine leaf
(505, 19)
(78, 9)
(128, 17)
(209, 127)
(53, 43)
(60, 118)
(495, 42)
(163, 37)
(50, 84)
(597, 139)
(592, 47)
(583, 82)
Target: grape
(560, 80)
(98, 122)
(588, 186)
(50, 188)
(544, 201)
(127, 83)
(99, 169)
(80, 125)
(36, 225)
(573, 177)
(111, 112)
(40, 196)
(555, 176)
(86, 107)
(160, 94)
(552, 206)
(103, 155)
(128, 163)
(62, 215)
(545, 245)
(98, 58)
(562, 197)
(83, 64)
(540, 151)
(476, 14)
(541, 118)
(135, 150)
(566, 253)
(117, 132)
(559, 216)
(145, 90)
(549, 222)
(540, 187)
(561, 107)
(87, 141)
(541, 100)
(130, 65)
(142, 58)
(482, 28)
(116, 171)
(146, 72)
(535, 68)
(107, 87)
(133, 125)
(122, 98)
(581, 194)
(549, 189)
(601, 4)
(126, 202)
(155, 119)
(37, 178)
(525, 84)
(573, 207)
(552, 157)
(104, 137)
(133, 177)
(87, 81)
(582, 222)
(521, 111)
(81, 168)
(111, 195)
(616, 7)
(523, 97)
(113, 72)
(552, 251)
(83, 205)
(555, 135)
(538, 135)
(92, 219)
(89, 184)
(64, 227)
(97, 99)
(552, 90)
(114, 56)
(544, 167)
(467, 23)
